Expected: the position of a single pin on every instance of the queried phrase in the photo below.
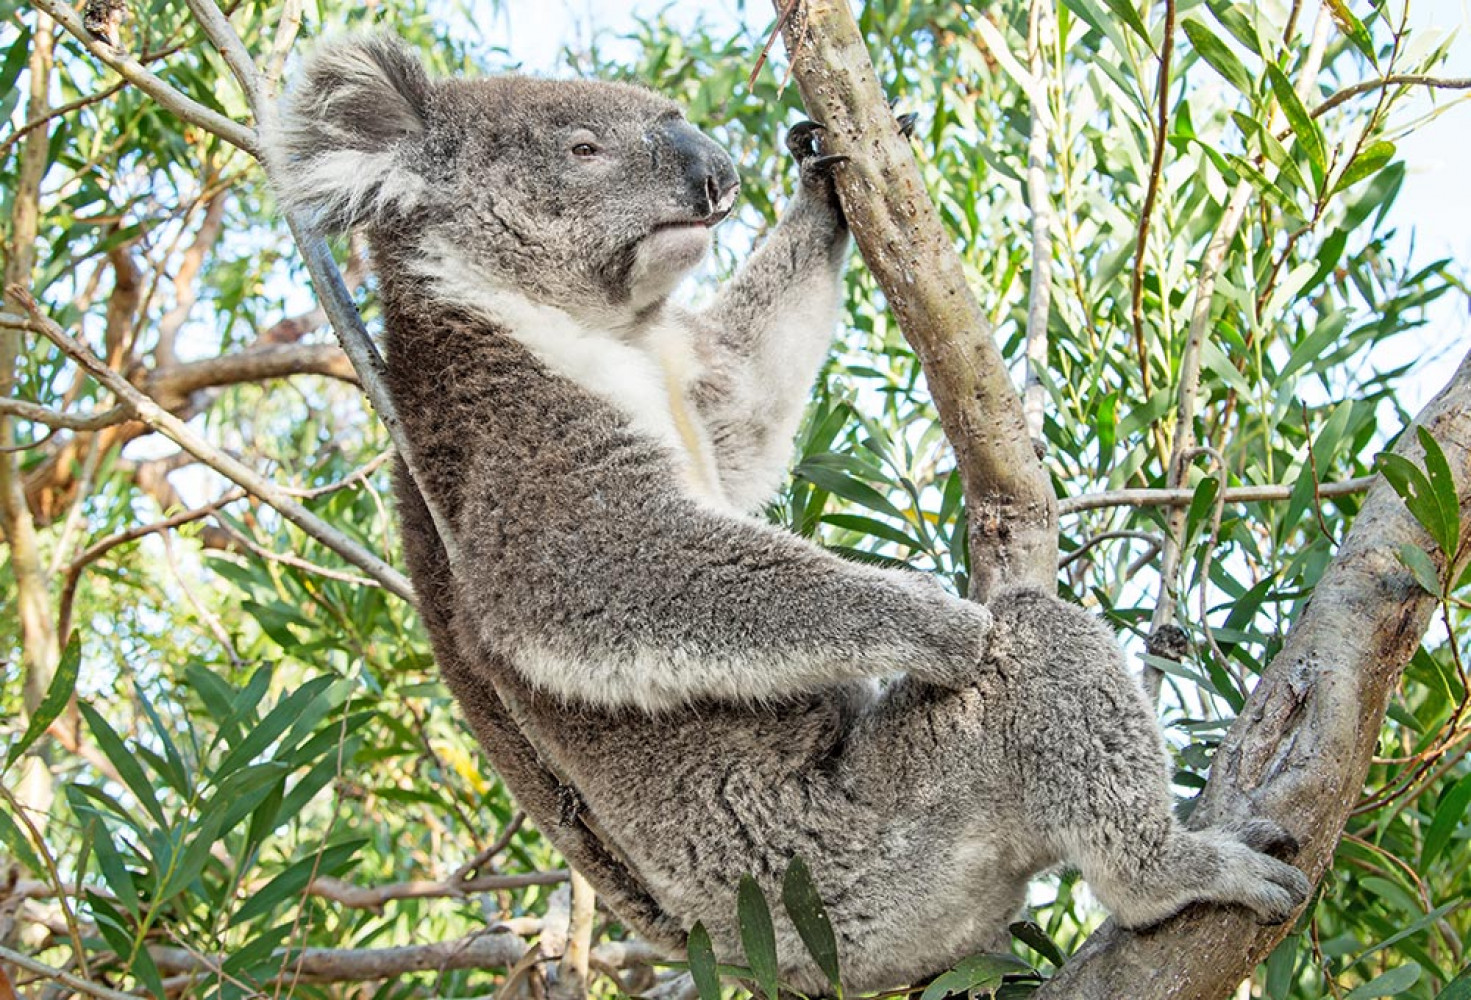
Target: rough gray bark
(1011, 504)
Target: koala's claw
(802, 139)
(907, 122)
(824, 164)
(1284, 888)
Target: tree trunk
(39, 651)
(1009, 497)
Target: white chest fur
(646, 374)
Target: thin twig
(68, 914)
(87, 100)
(1151, 193)
(1149, 537)
(100, 549)
(471, 868)
(1181, 497)
(130, 69)
(57, 112)
(1392, 80)
(781, 20)
(56, 420)
(54, 974)
(1040, 33)
(210, 619)
(294, 561)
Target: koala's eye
(584, 149)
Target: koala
(723, 695)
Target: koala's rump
(700, 797)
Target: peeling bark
(1011, 504)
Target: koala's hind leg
(1095, 779)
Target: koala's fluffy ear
(340, 146)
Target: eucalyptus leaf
(58, 695)
(809, 915)
(758, 936)
(703, 968)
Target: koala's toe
(1267, 836)
(907, 122)
(1281, 891)
(822, 165)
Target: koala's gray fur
(710, 683)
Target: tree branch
(130, 69)
(490, 949)
(374, 897)
(83, 986)
(1009, 497)
(156, 417)
(55, 419)
(1392, 80)
(494, 947)
(173, 384)
(1181, 497)
(1301, 747)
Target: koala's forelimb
(766, 334)
(634, 595)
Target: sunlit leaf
(58, 695)
(1218, 55)
(1309, 136)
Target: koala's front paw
(1270, 888)
(961, 636)
(1280, 889)
(815, 166)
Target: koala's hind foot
(1098, 790)
(1212, 866)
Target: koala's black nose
(707, 175)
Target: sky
(1434, 209)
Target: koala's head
(585, 195)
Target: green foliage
(251, 717)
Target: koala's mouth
(720, 203)
(706, 222)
